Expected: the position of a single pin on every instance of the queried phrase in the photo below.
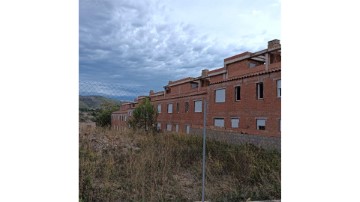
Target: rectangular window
(278, 87)
(187, 129)
(168, 127)
(220, 95)
(167, 90)
(186, 106)
(177, 107)
(158, 126)
(260, 124)
(170, 108)
(219, 122)
(177, 128)
(260, 90)
(194, 85)
(251, 65)
(234, 122)
(198, 106)
(159, 108)
(237, 93)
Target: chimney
(151, 92)
(274, 44)
(204, 73)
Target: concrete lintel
(217, 73)
(256, 54)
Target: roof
(248, 75)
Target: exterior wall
(249, 108)
(119, 118)
(179, 95)
(242, 68)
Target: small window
(260, 124)
(170, 108)
(167, 90)
(194, 85)
(177, 107)
(159, 108)
(187, 129)
(260, 90)
(251, 65)
(278, 86)
(237, 93)
(177, 128)
(186, 106)
(234, 122)
(168, 127)
(198, 106)
(220, 95)
(219, 122)
(158, 126)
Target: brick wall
(248, 108)
(238, 138)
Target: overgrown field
(129, 166)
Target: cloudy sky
(129, 47)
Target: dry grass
(128, 166)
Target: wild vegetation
(135, 166)
(144, 117)
(97, 109)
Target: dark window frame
(187, 107)
(260, 90)
(237, 93)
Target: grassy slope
(94, 102)
(136, 167)
(88, 105)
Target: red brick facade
(243, 97)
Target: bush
(103, 116)
(144, 117)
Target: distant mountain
(95, 101)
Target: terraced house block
(243, 100)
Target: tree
(144, 117)
(103, 116)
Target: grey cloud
(134, 41)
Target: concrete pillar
(267, 61)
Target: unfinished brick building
(243, 100)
